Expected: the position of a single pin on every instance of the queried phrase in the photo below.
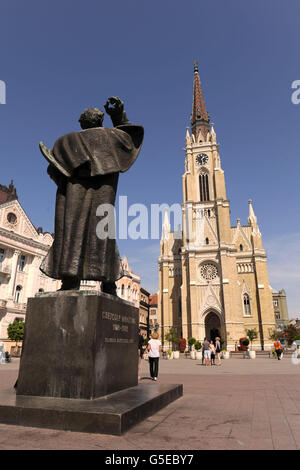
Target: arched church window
(122, 289)
(186, 191)
(179, 308)
(207, 241)
(204, 187)
(22, 262)
(2, 254)
(18, 294)
(241, 247)
(247, 309)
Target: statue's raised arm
(114, 107)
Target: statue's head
(91, 117)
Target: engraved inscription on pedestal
(119, 326)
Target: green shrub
(191, 341)
(15, 331)
(252, 335)
(172, 337)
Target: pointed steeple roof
(200, 117)
(166, 228)
(252, 219)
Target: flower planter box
(225, 355)
(193, 354)
(15, 351)
(176, 354)
(252, 354)
(199, 355)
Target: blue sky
(60, 57)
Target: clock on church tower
(202, 159)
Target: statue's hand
(114, 106)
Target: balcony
(20, 307)
(5, 269)
(16, 307)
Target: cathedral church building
(213, 278)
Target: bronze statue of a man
(85, 165)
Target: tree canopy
(15, 331)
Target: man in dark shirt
(141, 342)
(206, 350)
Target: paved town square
(243, 404)
(149, 237)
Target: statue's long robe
(93, 158)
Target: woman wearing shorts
(206, 351)
(218, 350)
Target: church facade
(213, 278)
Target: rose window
(209, 271)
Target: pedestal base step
(111, 414)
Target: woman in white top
(212, 353)
(154, 348)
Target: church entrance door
(212, 326)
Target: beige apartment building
(22, 249)
(129, 286)
(280, 308)
(153, 314)
(213, 278)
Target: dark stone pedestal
(79, 365)
(78, 344)
(113, 414)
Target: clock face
(202, 159)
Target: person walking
(212, 353)
(278, 349)
(218, 350)
(206, 351)
(154, 348)
(202, 349)
(141, 342)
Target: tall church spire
(200, 117)
(252, 220)
(166, 228)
